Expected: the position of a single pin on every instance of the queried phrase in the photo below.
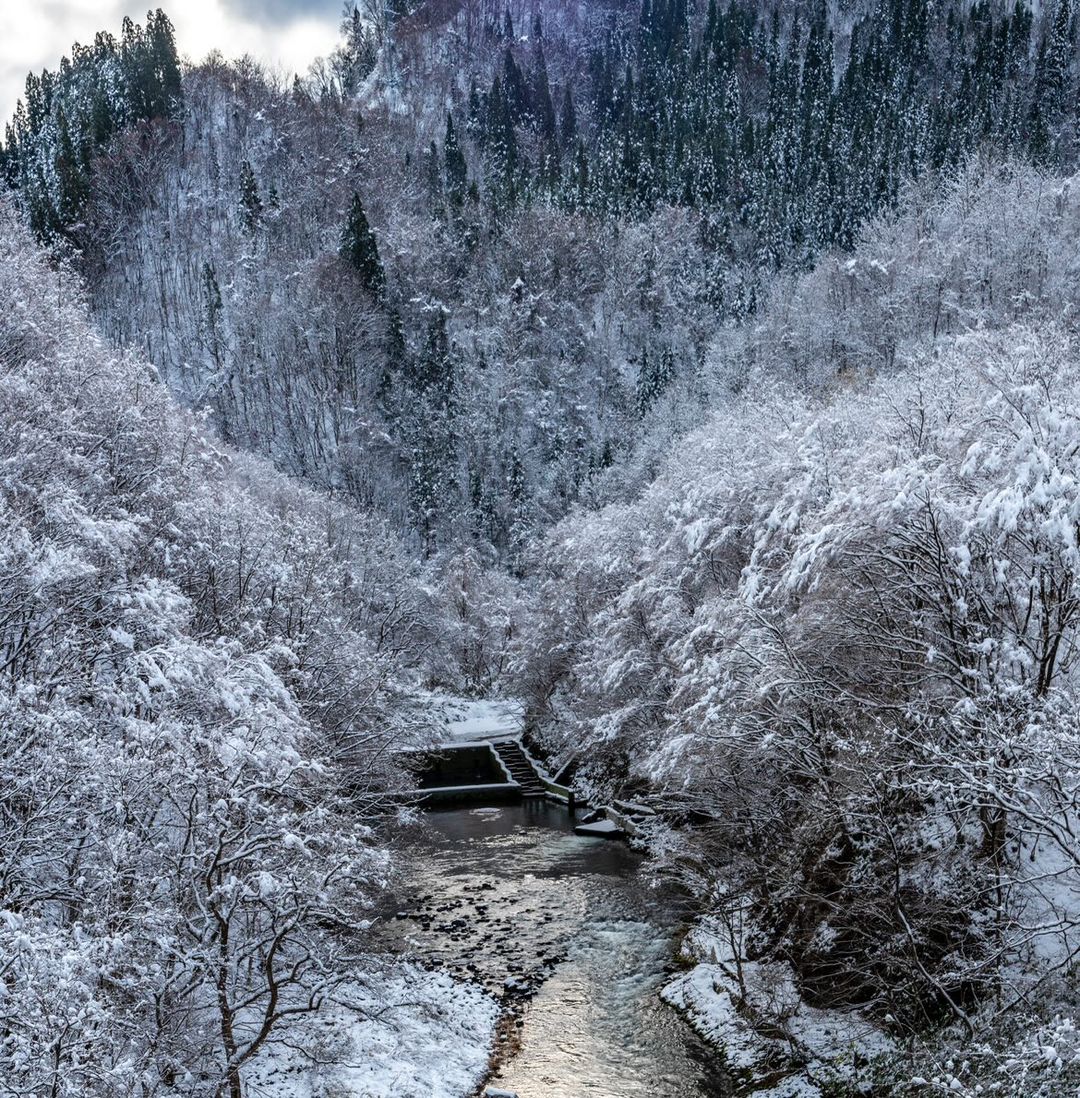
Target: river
(568, 930)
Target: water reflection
(562, 923)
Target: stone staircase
(521, 770)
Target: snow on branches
(199, 666)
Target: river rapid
(565, 929)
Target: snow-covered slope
(200, 684)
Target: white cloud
(35, 34)
(283, 11)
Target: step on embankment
(521, 769)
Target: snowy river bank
(566, 936)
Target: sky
(35, 34)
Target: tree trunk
(232, 1087)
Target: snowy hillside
(688, 390)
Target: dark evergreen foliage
(654, 376)
(251, 206)
(68, 116)
(457, 171)
(361, 251)
(785, 145)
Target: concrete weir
(483, 760)
(482, 773)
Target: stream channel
(567, 932)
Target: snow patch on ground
(702, 995)
(401, 1031)
(761, 1024)
(467, 719)
(794, 1086)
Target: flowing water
(566, 931)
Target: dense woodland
(706, 376)
(466, 317)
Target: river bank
(567, 935)
(773, 1044)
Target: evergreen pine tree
(168, 97)
(1055, 58)
(361, 251)
(457, 172)
(567, 120)
(474, 117)
(251, 206)
(541, 106)
(514, 89)
(432, 371)
(654, 377)
(500, 142)
(73, 188)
